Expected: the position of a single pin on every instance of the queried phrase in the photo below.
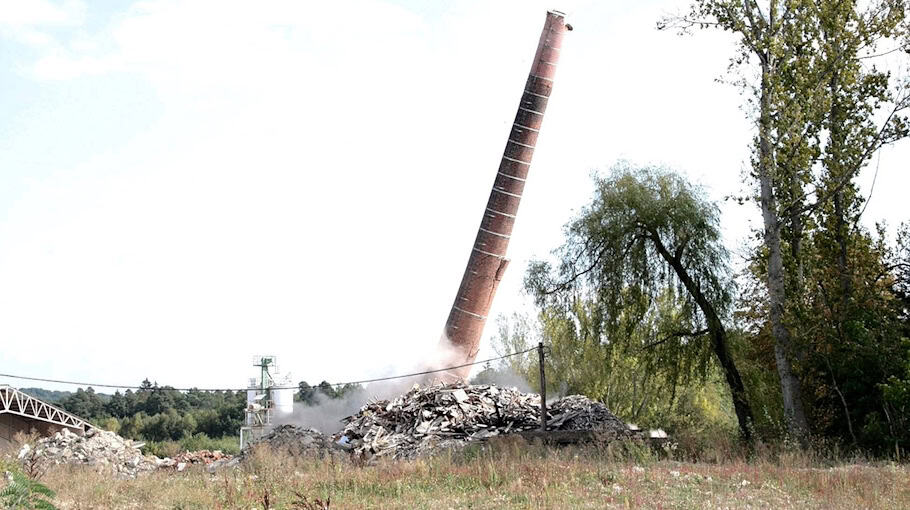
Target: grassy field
(508, 475)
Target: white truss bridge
(13, 401)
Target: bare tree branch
(676, 334)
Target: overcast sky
(184, 185)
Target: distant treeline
(162, 413)
(310, 395)
(155, 413)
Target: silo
(283, 396)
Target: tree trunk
(783, 344)
(719, 342)
(840, 235)
(796, 243)
(797, 225)
(836, 171)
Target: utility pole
(543, 389)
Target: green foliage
(830, 318)
(900, 265)
(21, 492)
(200, 441)
(49, 396)
(84, 403)
(641, 281)
(160, 413)
(613, 288)
(856, 345)
(305, 393)
(896, 395)
(755, 356)
(633, 385)
(849, 321)
(195, 442)
(168, 425)
(613, 247)
(223, 421)
(311, 395)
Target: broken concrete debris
(197, 458)
(98, 449)
(296, 441)
(107, 452)
(441, 416)
(431, 419)
(200, 457)
(422, 422)
(577, 412)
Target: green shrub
(199, 441)
(23, 492)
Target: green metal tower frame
(265, 379)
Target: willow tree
(647, 234)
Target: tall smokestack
(488, 262)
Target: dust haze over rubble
(327, 414)
(446, 417)
(506, 378)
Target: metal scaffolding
(22, 413)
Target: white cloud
(27, 21)
(41, 13)
(61, 66)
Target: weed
(303, 503)
(507, 474)
(24, 492)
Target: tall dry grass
(511, 473)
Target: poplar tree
(815, 112)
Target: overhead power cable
(363, 381)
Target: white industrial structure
(267, 396)
(283, 396)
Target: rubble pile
(98, 449)
(423, 421)
(577, 412)
(440, 416)
(297, 441)
(200, 457)
(209, 459)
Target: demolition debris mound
(211, 460)
(577, 412)
(98, 449)
(428, 419)
(296, 441)
(200, 457)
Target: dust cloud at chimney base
(327, 413)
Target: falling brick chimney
(488, 262)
